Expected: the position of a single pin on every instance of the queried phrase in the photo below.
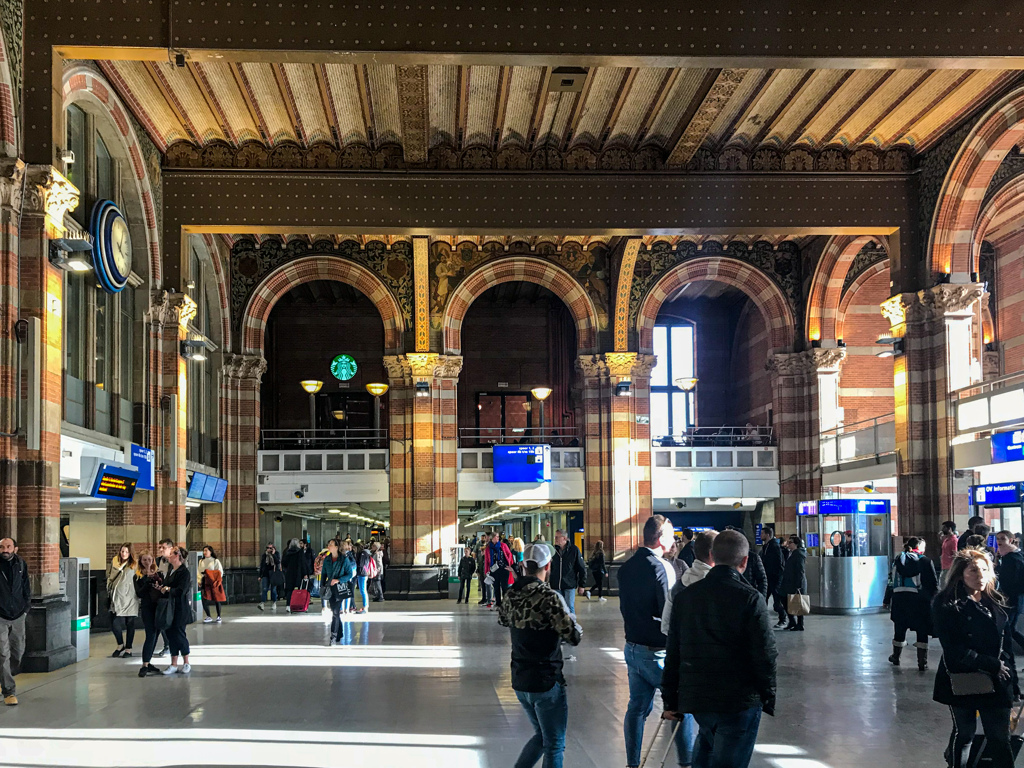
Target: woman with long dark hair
(147, 587)
(976, 676)
(178, 587)
(124, 603)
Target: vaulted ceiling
(258, 114)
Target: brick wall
(750, 386)
(1009, 319)
(865, 380)
(301, 342)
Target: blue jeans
(265, 587)
(362, 588)
(569, 595)
(726, 740)
(645, 666)
(549, 713)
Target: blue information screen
(853, 506)
(142, 460)
(115, 483)
(998, 494)
(197, 486)
(218, 494)
(1007, 446)
(522, 463)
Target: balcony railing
(861, 440)
(322, 439)
(718, 436)
(565, 437)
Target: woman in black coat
(976, 675)
(914, 584)
(179, 587)
(294, 565)
(794, 578)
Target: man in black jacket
(774, 563)
(644, 582)
(15, 598)
(1011, 581)
(754, 574)
(568, 571)
(539, 620)
(720, 664)
(686, 553)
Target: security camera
(299, 494)
(67, 157)
(680, 505)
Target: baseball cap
(537, 553)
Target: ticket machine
(849, 549)
(74, 582)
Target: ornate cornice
(950, 299)
(244, 367)
(49, 193)
(423, 365)
(828, 360)
(622, 365)
(12, 178)
(793, 363)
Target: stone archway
(526, 269)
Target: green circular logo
(344, 367)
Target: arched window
(203, 411)
(99, 327)
(673, 409)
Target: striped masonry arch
(306, 270)
(82, 80)
(768, 297)
(876, 269)
(526, 269)
(957, 213)
(827, 284)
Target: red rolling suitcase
(299, 601)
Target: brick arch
(306, 270)
(1005, 207)
(827, 284)
(957, 213)
(530, 270)
(8, 117)
(876, 269)
(212, 246)
(768, 297)
(84, 84)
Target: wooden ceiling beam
(363, 86)
(862, 137)
(907, 124)
(172, 102)
(620, 99)
(289, 103)
(246, 90)
(785, 106)
(212, 103)
(538, 108)
(744, 113)
(501, 104)
(829, 135)
(577, 110)
(795, 135)
(667, 83)
(721, 91)
(328, 101)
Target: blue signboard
(1007, 446)
(757, 534)
(112, 482)
(843, 507)
(142, 460)
(197, 486)
(998, 494)
(807, 507)
(203, 487)
(522, 463)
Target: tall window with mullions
(673, 410)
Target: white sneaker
(287, 609)
(587, 593)
(333, 642)
(260, 606)
(602, 599)
(170, 670)
(207, 620)
(185, 669)
(219, 620)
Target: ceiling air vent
(567, 79)
(264, 496)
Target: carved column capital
(951, 299)
(244, 368)
(423, 365)
(794, 364)
(591, 366)
(171, 308)
(12, 179)
(620, 363)
(894, 309)
(828, 360)
(48, 193)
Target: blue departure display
(844, 507)
(207, 488)
(522, 463)
(1007, 446)
(116, 483)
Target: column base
(48, 635)
(416, 582)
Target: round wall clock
(112, 246)
(343, 367)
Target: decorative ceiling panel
(451, 117)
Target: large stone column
(31, 461)
(237, 519)
(12, 176)
(617, 441)
(938, 355)
(424, 481)
(796, 401)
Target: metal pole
(542, 419)
(376, 416)
(312, 413)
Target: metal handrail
(858, 426)
(981, 387)
(719, 436)
(322, 439)
(477, 437)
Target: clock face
(121, 246)
(112, 246)
(343, 367)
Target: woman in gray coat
(794, 578)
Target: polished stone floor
(427, 684)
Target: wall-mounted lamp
(815, 343)
(841, 344)
(71, 254)
(194, 349)
(422, 389)
(623, 388)
(892, 351)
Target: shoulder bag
(164, 614)
(798, 605)
(971, 683)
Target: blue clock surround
(104, 214)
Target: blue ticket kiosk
(849, 549)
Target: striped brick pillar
(617, 441)
(423, 477)
(12, 175)
(795, 405)
(233, 527)
(167, 319)
(32, 459)
(938, 356)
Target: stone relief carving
(244, 367)
(171, 308)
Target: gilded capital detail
(828, 360)
(12, 177)
(49, 193)
(171, 308)
(423, 365)
(951, 299)
(894, 310)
